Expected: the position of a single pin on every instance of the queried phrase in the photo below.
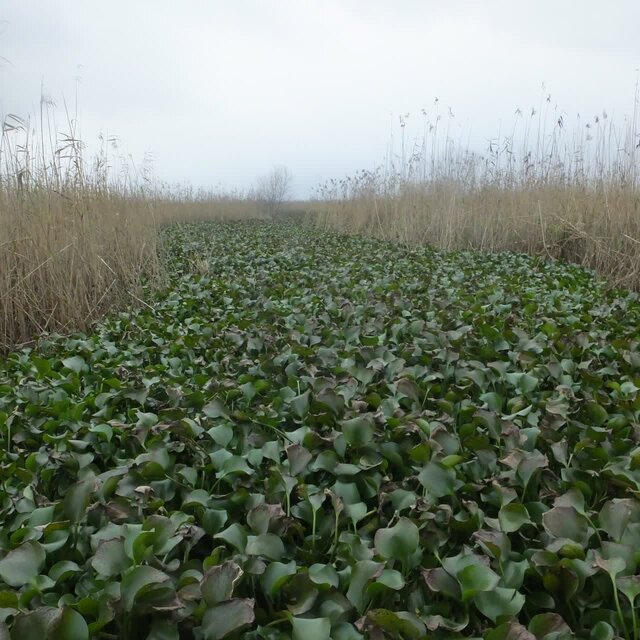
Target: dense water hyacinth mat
(312, 436)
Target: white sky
(221, 91)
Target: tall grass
(79, 235)
(565, 191)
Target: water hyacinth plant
(316, 436)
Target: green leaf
(248, 390)
(300, 404)
(139, 395)
(572, 498)
(499, 602)
(627, 388)
(630, 586)
(494, 401)
(566, 522)
(110, 559)
(390, 579)
(511, 630)
(439, 581)
(513, 573)
(213, 520)
(299, 458)
(137, 581)
(233, 465)
(225, 618)
(617, 514)
(221, 434)
(23, 564)
(400, 624)
(160, 630)
(398, 542)
(545, 624)
(451, 461)
(356, 512)
(512, 517)
(476, 578)
(9, 600)
(358, 431)
(439, 481)
(35, 624)
(525, 382)
(345, 631)
(77, 498)
(63, 570)
(324, 574)
(311, 628)
(276, 576)
(602, 631)
(75, 364)
(267, 545)
(215, 409)
(362, 573)
(612, 566)
(235, 535)
(69, 626)
(597, 414)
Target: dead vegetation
(566, 193)
(77, 236)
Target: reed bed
(79, 236)
(565, 192)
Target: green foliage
(328, 437)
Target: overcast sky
(220, 91)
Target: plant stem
(616, 599)
(313, 530)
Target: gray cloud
(221, 91)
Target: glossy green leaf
(69, 626)
(499, 602)
(399, 541)
(324, 574)
(75, 363)
(21, 565)
(138, 580)
(358, 431)
(110, 558)
(566, 522)
(268, 545)
(439, 481)
(512, 517)
(276, 575)
(223, 619)
(476, 578)
(311, 628)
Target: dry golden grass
(75, 241)
(572, 196)
(66, 257)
